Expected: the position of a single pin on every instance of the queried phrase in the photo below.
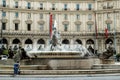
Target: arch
(65, 41)
(78, 41)
(16, 41)
(4, 41)
(40, 41)
(108, 41)
(90, 41)
(28, 41)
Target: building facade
(26, 22)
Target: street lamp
(1, 31)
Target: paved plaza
(62, 77)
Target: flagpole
(96, 35)
(114, 31)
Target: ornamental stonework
(78, 22)
(29, 22)
(4, 20)
(41, 22)
(108, 21)
(16, 21)
(90, 22)
(65, 22)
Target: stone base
(72, 64)
(107, 61)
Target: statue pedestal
(107, 61)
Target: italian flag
(50, 25)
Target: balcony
(5, 6)
(53, 8)
(29, 7)
(41, 8)
(66, 9)
(16, 6)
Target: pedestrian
(11, 54)
(16, 68)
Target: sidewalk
(52, 76)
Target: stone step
(106, 66)
(24, 67)
(62, 72)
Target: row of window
(78, 7)
(41, 27)
(41, 16)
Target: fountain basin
(54, 54)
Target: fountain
(59, 56)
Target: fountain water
(55, 47)
(61, 56)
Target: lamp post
(114, 13)
(1, 35)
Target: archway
(78, 41)
(65, 41)
(89, 41)
(40, 44)
(90, 45)
(4, 43)
(40, 41)
(16, 41)
(28, 45)
(15, 44)
(107, 42)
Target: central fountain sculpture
(61, 56)
(55, 47)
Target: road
(63, 77)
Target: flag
(106, 32)
(50, 26)
(96, 34)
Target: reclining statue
(108, 53)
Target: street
(61, 77)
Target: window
(77, 6)
(3, 14)
(3, 26)
(89, 16)
(77, 27)
(65, 16)
(29, 15)
(41, 5)
(16, 14)
(29, 5)
(16, 4)
(65, 27)
(41, 16)
(41, 27)
(4, 3)
(108, 27)
(89, 6)
(53, 6)
(29, 27)
(65, 6)
(16, 26)
(77, 16)
(89, 27)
